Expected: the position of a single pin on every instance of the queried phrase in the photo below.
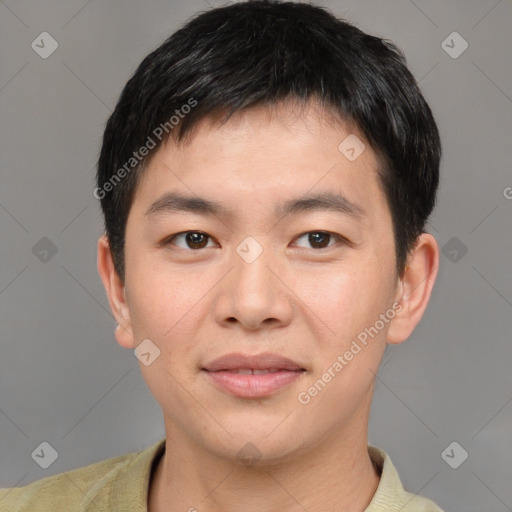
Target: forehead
(264, 155)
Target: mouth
(246, 376)
(254, 371)
(266, 361)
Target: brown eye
(320, 239)
(193, 239)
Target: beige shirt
(121, 484)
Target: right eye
(193, 239)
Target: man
(265, 180)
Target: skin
(295, 299)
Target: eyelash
(339, 238)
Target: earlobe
(114, 288)
(415, 288)
(124, 337)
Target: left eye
(319, 239)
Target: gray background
(63, 377)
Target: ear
(115, 289)
(414, 288)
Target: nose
(253, 295)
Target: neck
(339, 471)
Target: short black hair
(257, 53)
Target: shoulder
(72, 490)
(416, 503)
(390, 495)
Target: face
(253, 277)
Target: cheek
(166, 309)
(345, 301)
(167, 306)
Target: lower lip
(253, 386)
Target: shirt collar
(390, 494)
(130, 489)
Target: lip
(263, 361)
(222, 372)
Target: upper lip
(264, 361)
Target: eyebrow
(172, 202)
